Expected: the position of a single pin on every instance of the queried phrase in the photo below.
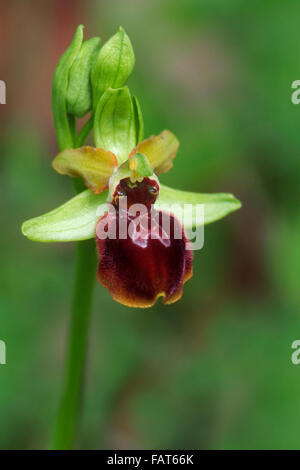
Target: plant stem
(86, 262)
(86, 129)
(81, 307)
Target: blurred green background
(213, 370)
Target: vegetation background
(213, 370)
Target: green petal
(94, 165)
(160, 150)
(216, 206)
(75, 220)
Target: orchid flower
(124, 207)
(123, 165)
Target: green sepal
(114, 65)
(114, 123)
(63, 125)
(216, 206)
(79, 93)
(75, 220)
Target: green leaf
(114, 123)
(75, 220)
(114, 65)
(59, 91)
(79, 93)
(216, 206)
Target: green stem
(86, 129)
(78, 337)
(85, 274)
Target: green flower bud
(59, 91)
(79, 93)
(114, 65)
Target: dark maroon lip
(136, 271)
(143, 192)
(138, 267)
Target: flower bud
(59, 91)
(79, 92)
(114, 65)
